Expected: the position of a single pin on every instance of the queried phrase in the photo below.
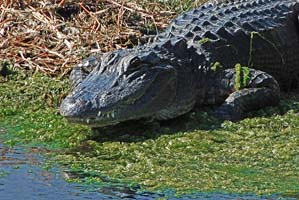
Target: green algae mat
(256, 155)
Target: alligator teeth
(106, 115)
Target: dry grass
(51, 36)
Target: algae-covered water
(23, 176)
(194, 154)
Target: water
(23, 178)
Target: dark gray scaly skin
(171, 75)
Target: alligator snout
(74, 108)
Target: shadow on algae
(195, 152)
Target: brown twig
(91, 15)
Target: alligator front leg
(261, 91)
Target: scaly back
(262, 34)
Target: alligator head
(127, 85)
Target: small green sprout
(216, 66)
(204, 40)
(242, 76)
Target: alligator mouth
(118, 113)
(121, 112)
(109, 118)
(106, 119)
(103, 119)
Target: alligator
(193, 63)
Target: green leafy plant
(242, 77)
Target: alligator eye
(135, 64)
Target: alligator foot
(262, 91)
(240, 102)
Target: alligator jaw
(103, 119)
